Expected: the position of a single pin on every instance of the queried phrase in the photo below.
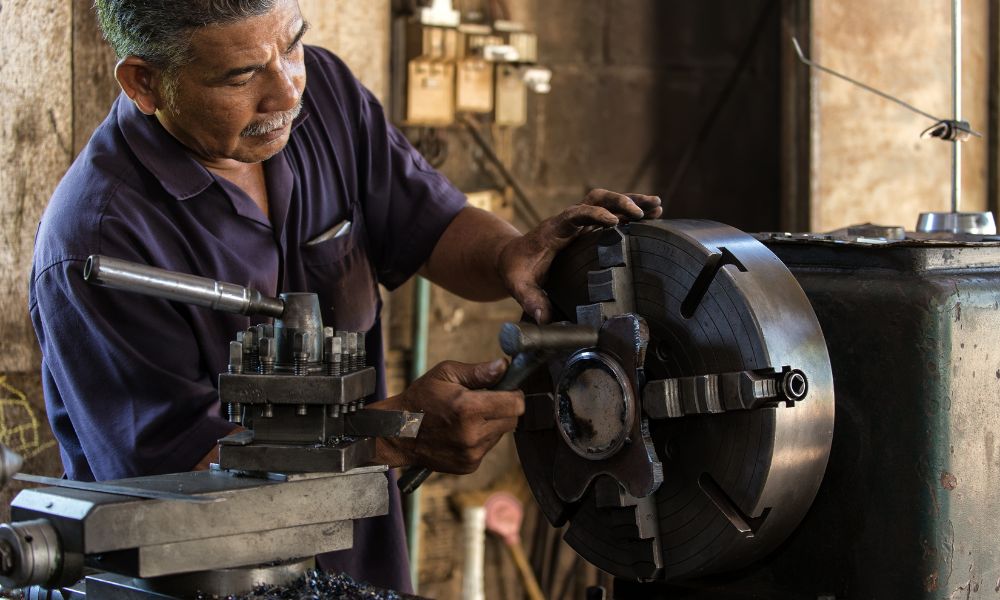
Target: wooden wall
(869, 163)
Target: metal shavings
(340, 439)
(316, 585)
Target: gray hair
(159, 31)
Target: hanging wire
(945, 129)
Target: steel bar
(179, 287)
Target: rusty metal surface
(734, 485)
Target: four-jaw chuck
(693, 436)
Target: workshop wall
(869, 163)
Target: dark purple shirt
(131, 382)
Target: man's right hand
(463, 420)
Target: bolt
(236, 413)
(333, 347)
(362, 351)
(236, 357)
(267, 411)
(345, 358)
(267, 356)
(300, 352)
(352, 351)
(334, 411)
(251, 357)
(265, 330)
(302, 410)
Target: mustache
(272, 123)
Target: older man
(218, 160)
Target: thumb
(474, 377)
(535, 303)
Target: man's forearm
(465, 260)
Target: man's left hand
(525, 261)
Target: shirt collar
(167, 159)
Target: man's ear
(141, 82)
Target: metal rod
(956, 146)
(880, 93)
(421, 327)
(180, 287)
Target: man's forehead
(249, 40)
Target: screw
(236, 357)
(333, 346)
(236, 413)
(362, 351)
(251, 357)
(300, 352)
(345, 358)
(352, 351)
(267, 356)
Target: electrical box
(453, 67)
(430, 84)
(474, 91)
(512, 97)
(430, 98)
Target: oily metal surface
(735, 484)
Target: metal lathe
(753, 416)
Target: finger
(619, 204)
(569, 223)
(652, 206)
(471, 376)
(533, 300)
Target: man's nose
(285, 90)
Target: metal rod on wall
(956, 146)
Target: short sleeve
(407, 203)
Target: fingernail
(497, 366)
(538, 316)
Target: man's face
(238, 96)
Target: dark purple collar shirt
(131, 382)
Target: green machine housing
(908, 507)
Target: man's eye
(241, 82)
(294, 47)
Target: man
(218, 160)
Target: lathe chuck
(693, 438)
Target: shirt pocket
(340, 271)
